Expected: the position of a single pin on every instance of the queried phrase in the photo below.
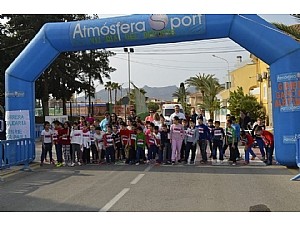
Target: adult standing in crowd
(177, 113)
(132, 115)
(105, 122)
(202, 115)
(90, 119)
(193, 115)
(245, 120)
(114, 119)
(150, 117)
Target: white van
(168, 110)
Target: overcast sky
(169, 64)
(149, 64)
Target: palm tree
(181, 93)
(116, 86)
(209, 87)
(212, 87)
(108, 87)
(198, 82)
(292, 30)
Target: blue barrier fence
(38, 130)
(17, 152)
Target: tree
(153, 106)
(209, 86)
(181, 93)
(198, 82)
(94, 65)
(116, 86)
(70, 72)
(108, 87)
(238, 101)
(22, 29)
(292, 30)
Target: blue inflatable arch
(253, 33)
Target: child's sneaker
(137, 164)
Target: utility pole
(128, 51)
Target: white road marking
(148, 168)
(114, 200)
(135, 180)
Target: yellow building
(253, 77)
(195, 99)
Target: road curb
(15, 169)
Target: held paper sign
(17, 124)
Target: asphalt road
(183, 188)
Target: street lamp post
(228, 72)
(128, 51)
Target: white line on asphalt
(135, 180)
(114, 200)
(148, 168)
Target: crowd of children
(151, 142)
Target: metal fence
(17, 152)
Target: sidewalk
(14, 169)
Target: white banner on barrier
(17, 124)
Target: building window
(265, 92)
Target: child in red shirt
(268, 139)
(248, 141)
(65, 141)
(131, 143)
(109, 146)
(124, 140)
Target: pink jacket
(176, 132)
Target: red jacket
(267, 137)
(124, 133)
(64, 136)
(250, 140)
(132, 137)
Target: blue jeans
(167, 152)
(247, 152)
(110, 154)
(261, 146)
(160, 154)
(152, 152)
(217, 144)
(47, 148)
(270, 150)
(140, 153)
(58, 149)
(203, 145)
(190, 147)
